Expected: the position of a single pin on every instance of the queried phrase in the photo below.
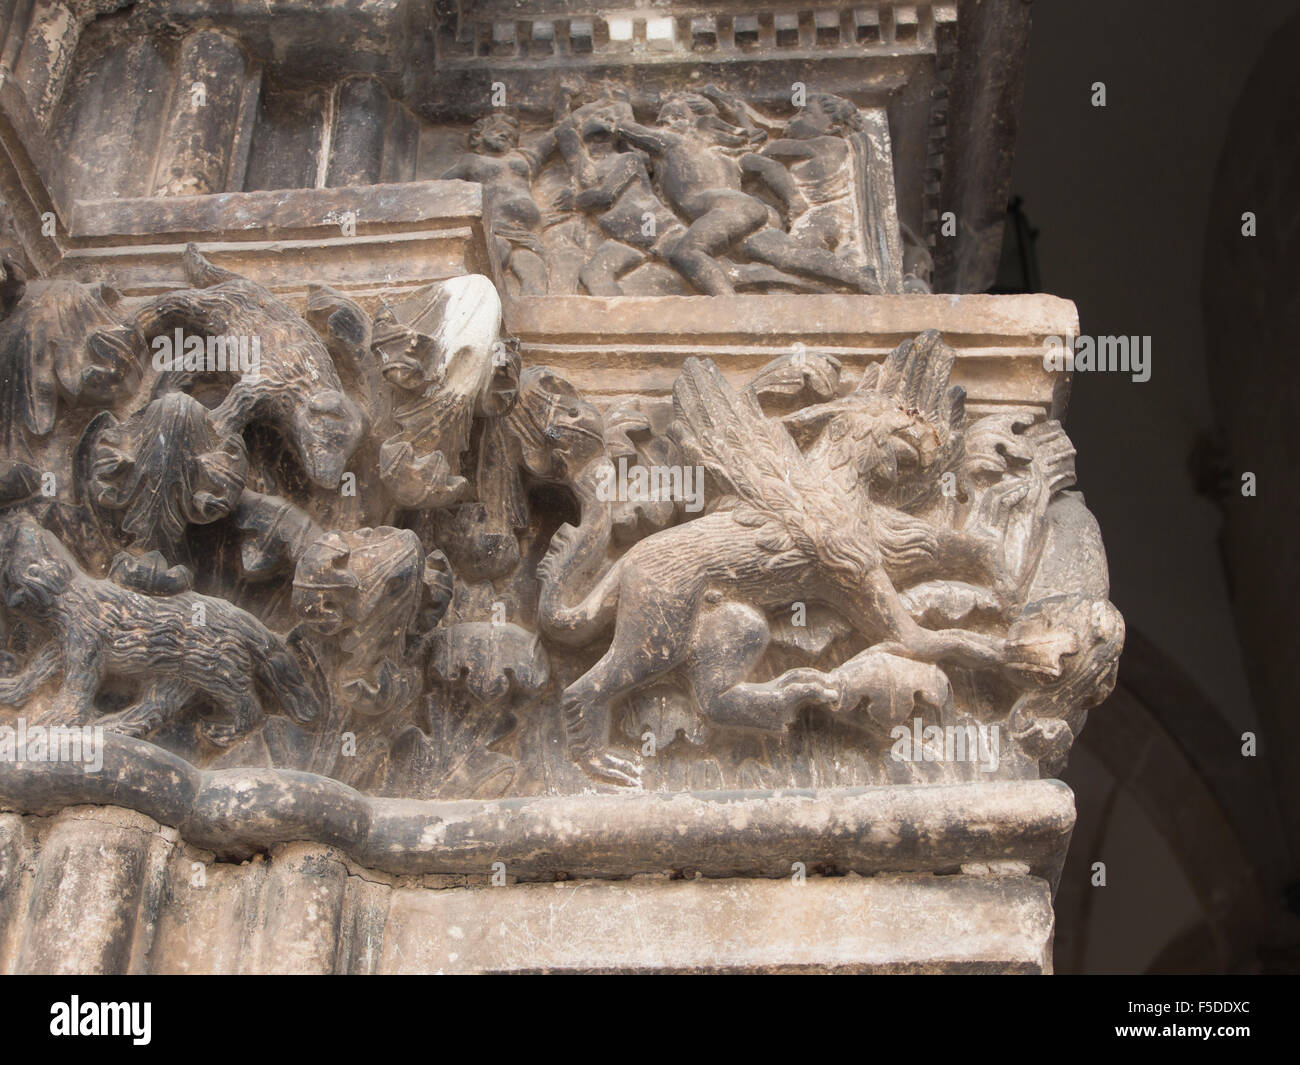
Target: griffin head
(901, 424)
(918, 411)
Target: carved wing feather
(726, 432)
(756, 458)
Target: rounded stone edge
(236, 813)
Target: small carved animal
(296, 387)
(180, 645)
(363, 590)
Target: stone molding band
(236, 813)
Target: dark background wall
(1123, 197)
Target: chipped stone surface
(840, 924)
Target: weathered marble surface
(239, 812)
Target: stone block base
(836, 924)
(105, 890)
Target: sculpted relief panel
(370, 546)
(705, 195)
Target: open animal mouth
(324, 618)
(907, 454)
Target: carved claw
(391, 689)
(425, 482)
(995, 506)
(812, 687)
(131, 722)
(220, 733)
(1041, 655)
(835, 693)
(609, 768)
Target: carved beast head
(919, 415)
(345, 579)
(295, 387)
(326, 429)
(560, 434)
(37, 569)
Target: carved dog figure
(296, 387)
(363, 590)
(182, 645)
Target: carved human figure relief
(505, 169)
(693, 192)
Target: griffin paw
(220, 733)
(609, 768)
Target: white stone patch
(659, 33)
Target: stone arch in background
(1251, 300)
(1158, 774)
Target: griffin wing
(801, 515)
(917, 375)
